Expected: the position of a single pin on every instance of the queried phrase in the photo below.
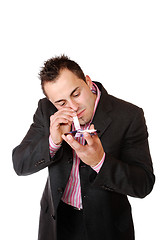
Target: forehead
(68, 79)
(63, 86)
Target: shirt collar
(96, 91)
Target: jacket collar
(102, 119)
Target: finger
(72, 142)
(58, 116)
(92, 126)
(61, 119)
(67, 109)
(88, 138)
(91, 139)
(67, 113)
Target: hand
(60, 123)
(92, 152)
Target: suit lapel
(102, 119)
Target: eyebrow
(70, 95)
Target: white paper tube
(76, 123)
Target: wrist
(95, 163)
(56, 143)
(99, 165)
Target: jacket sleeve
(33, 153)
(131, 173)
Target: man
(90, 176)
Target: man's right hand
(60, 123)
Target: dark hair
(53, 66)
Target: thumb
(92, 126)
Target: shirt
(72, 192)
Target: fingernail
(86, 134)
(69, 137)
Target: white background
(116, 43)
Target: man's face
(71, 92)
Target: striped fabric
(72, 193)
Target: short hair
(53, 66)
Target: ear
(89, 81)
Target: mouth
(79, 115)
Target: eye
(61, 104)
(76, 94)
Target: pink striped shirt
(72, 192)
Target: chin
(83, 121)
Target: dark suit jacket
(127, 169)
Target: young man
(90, 176)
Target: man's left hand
(91, 153)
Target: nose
(73, 105)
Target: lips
(81, 113)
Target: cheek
(86, 97)
(87, 104)
(89, 101)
